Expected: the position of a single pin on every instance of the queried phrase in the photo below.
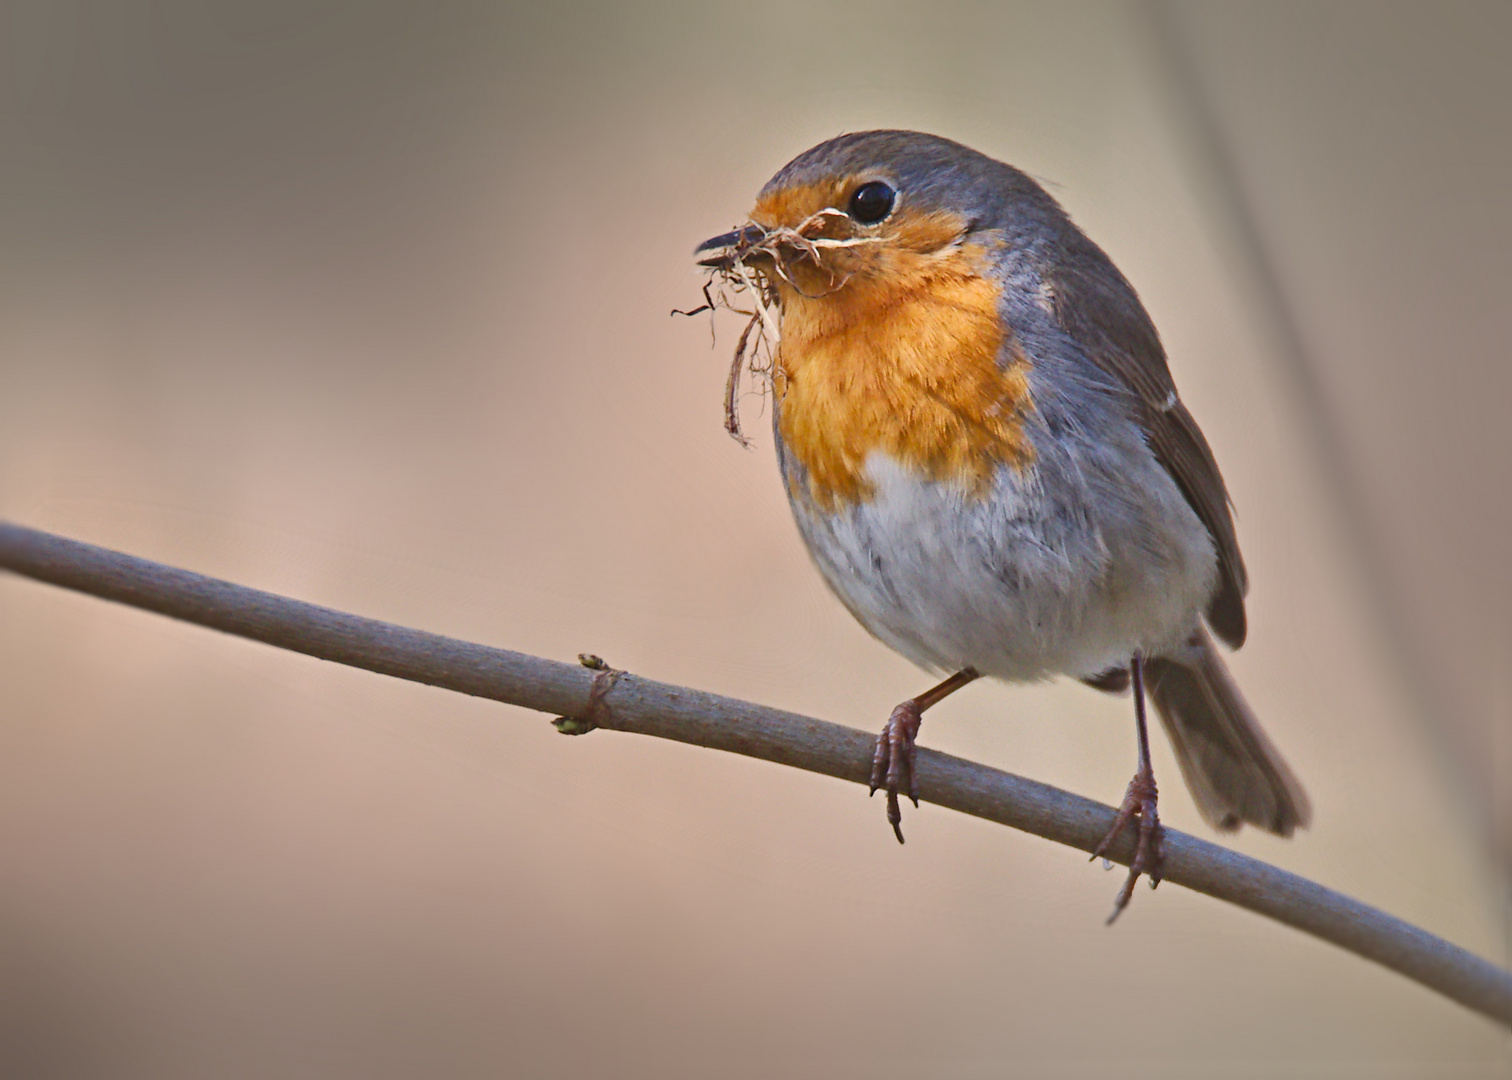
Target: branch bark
(624, 702)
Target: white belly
(1037, 577)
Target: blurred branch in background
(1434, 638)
(622, 702)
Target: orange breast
(904, 362)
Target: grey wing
(1099, 309)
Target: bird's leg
(1139, 800)
(893, 760)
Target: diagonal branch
(630, 703)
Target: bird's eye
(871, 202)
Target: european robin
(986, 455)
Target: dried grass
(743, 276)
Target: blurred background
(368, 304)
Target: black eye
(872, 202)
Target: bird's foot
(893, 760)
(1139, 805)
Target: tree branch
(625, 702)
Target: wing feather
(1099, 309)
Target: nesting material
(744, 279)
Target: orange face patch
(892, 346)
(896, 245)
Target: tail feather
(1234, 773)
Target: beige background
(368, 304)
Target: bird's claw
(893, 761)
(1139, 804)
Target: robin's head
(883, 252)
(874, 210)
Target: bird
(989, 463)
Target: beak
(728, 246)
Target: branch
(625, 702)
